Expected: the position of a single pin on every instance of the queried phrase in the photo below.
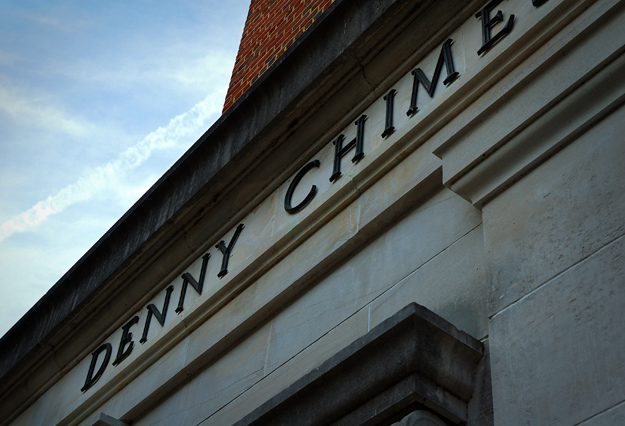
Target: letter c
(289, 193)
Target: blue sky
(97, 100)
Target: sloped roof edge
(289, 80)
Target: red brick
(270, 29)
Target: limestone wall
(499, 206)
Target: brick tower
(270, 29)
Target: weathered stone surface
(554, 247)
(414, 349)
(550, 220)
(106, 420)
(420, 236)
(292, 370)
(323, 318)
(420, 418)
(452, 284)
(542, 75)
(211, 389)
(323, 66)
(481, 405)
(611, 417)
(557, 356)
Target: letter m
(445, 58)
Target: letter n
(187, 279)
(159, 315)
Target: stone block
(557, 354)
(258, 230)
(562, 212)
(413, 359)
(106, 420)
(215, 386)
(427, 231)
(452, 284)
(148, 382)
(611, 417)
(399, 190)
(293, 369)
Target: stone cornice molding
(152, 242)
(564, 88)
(414, 359)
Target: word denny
(126, 343)
(489, 39)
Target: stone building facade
(414, 216)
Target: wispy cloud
(185, 68)
(39, 111)
(182, 130)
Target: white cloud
(108, 179)
(37, 111)
(175, 68)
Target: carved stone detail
(413, 360)
(420, 418)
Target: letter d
(91, 379)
